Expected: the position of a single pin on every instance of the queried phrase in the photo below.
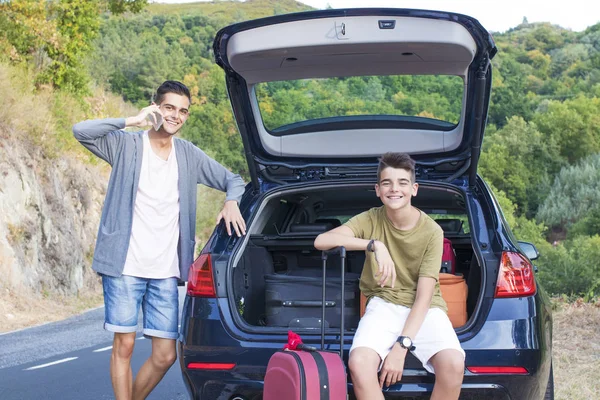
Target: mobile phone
(159, 120)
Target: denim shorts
(159, 299)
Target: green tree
(121, 6)
(519, 160)
(523, 229)
(212, 128)
(573, 124)
(77, 25)
(56, 35)
(572, 268)
(509, 96)
(588, 225)
(576, 191)
(25, 28)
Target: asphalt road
(69, 360)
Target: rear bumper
(212, 386)
(500, 341)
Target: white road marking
(52, 363)
(140, 338)
(102, 349)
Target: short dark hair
(171, 87)
(396, 160)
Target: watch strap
(370, 246)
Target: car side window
(455, 224)
(278, 219)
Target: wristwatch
(406, 342)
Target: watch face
(406, 342)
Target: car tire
(550, 388)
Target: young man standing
(405, 310)
(145, 242)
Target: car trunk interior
(279, 253)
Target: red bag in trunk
(448, 258)
(300, 372)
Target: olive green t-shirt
(416, 252)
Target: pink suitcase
(309, 374)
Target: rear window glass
(434, 97)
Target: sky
(496, 16)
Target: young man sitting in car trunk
(405, 310)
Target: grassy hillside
(43, 115)
(250, 9)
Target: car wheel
(550, 388)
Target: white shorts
(383, 322)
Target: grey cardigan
(123, 151)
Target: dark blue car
(318, 96)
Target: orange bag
(454, 293)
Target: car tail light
(211, 366)
(498, 370)
(201, 282)
(516, 277)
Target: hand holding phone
(156, 119)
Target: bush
(46, 115)
(587, 226)
(576, 191)
(209, 204)
(522, 228)
(572, 267)
(568, 268)
(519, 160)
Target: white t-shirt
(152, 249)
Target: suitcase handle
(341, 250)
(307, 303)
